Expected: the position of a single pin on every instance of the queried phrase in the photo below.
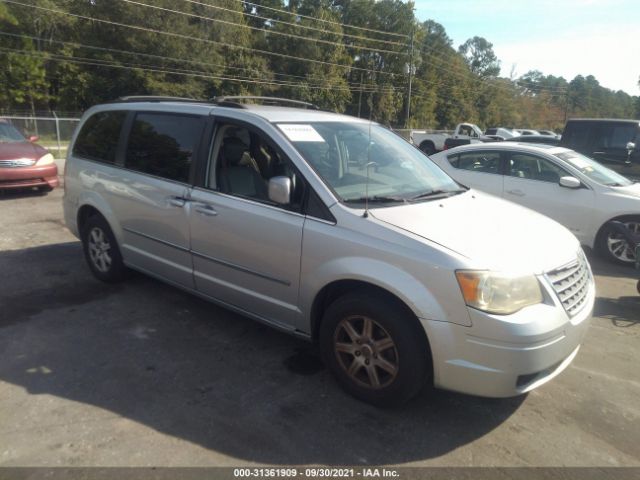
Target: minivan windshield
(594, 170)
(8, 133)
(344, 153)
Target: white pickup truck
(432, 141)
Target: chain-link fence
(54, 132)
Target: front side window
(163, 144)
(482, 162)
(592, 169)
(244, 161)
(623, 134)
(98, 138)
(532, 167)
(350, 156)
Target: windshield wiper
(376, 199)
(437, 194)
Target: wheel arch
(93, 204)
(620, 218)
(339, 288)
(430, 143)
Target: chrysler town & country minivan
(334, 229)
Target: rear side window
(163, 144)
(98, 138)
(482, 161)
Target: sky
(558, 37)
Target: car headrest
(233, 150)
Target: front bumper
(504, 356)
(25, 177)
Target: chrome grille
(571, 283)
(21, 162)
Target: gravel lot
(144, 374)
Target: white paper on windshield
(300, 132)
(578, 163)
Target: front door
(246, 249)
(533, 182)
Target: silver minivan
(333, 229)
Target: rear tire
(101, 251)
(375, 349)
(428, 148)
(612, 246)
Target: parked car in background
(502, 132)
(431, 142)
(615, 143)
(527, 131)
(545, 139)
(333, 229)
(548, 132)
(564, 185)
(23, 163)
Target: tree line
(356, 56)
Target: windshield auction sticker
(300, 132)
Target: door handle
(208, 210)
(517, 193)
(177, 201)
(598, 153)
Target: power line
(296, 25)
(204, 40)
(270, 32)
(191, 73)
(173, 59)
(323, 20)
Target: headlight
(499, 293)
(45, 160)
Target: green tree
(478, 52)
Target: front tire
(612, 245)
(101, 251)
(375, 349)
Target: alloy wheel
(366, 352)
(619, 247)
(99, 250)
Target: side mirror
(35, 138)
(631, 146)
(570, 182)
(280, 190)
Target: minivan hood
(493, 233)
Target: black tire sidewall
(427, 148)
(413, 350)
(118, 270)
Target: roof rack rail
(237, 101)
(155, 98)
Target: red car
(23, 164)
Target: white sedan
(572, 189)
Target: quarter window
(98, 138)
(532, 167)
(163, 144)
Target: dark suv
(615, 143)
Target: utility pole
(406, 123)
(360, 95)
